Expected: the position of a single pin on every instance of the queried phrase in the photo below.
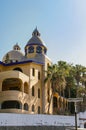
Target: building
(22, 87)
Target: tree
(70, 81)
(83, 78)
(63, 72)
(52, 77)
(56, 74)
(78, 70)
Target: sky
(62, 24)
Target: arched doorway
(11, 104)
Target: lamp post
(75, 100)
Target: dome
(16, 47)
(14, 55)
(35, 40)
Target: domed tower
(35, 46)
(14, 55)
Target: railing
(13, 95)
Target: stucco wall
(9, 121)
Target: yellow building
(22, 88)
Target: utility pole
(75, 100)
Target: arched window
(38, 109)
(38, 93)
(38, 49)
(32, 90)
(33, 109)
(26, 107)
(54, 101)
(18, 69)
(31, 49)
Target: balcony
(13, 74)
(13, 95)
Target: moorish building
(22, 87)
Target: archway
(26, 107)
(11, 104)
(18, 69)
(11, 84)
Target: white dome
(13, 56)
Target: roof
(13, 55)
(35, 39)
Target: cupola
(16, 47)
(14, 55)
(35, 45)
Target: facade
(22, 87)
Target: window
(38, 109)
(38, 93)
(31, 49)
(32, 108)
(25, 52)
(26, 106)
(33, 91)
(45, 50)
(54, 101)
(33, 72)
(39, 49)
(26, 87)
(39, 75)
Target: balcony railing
(13, 95)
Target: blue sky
(62, 24)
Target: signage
(75, 99)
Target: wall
(9, 121)
(31, 128)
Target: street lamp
(75, 100)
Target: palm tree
(64, 68)
(52, 77)
(83, 78)
(81, 91)
(70, 81)
(78, 70)
(56, 74)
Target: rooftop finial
(36, 32)
(16, 47)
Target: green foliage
(66, 79)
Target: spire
(36, 32)
(16, 47)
